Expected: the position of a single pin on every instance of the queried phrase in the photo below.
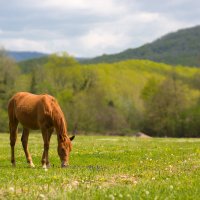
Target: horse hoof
(44, 166)
(32, 165)
(13, 165)
(48, 166)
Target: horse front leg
(46, 134)
(24, 140)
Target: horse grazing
(38, 112)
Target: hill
(178, 48)
(25, 55)
(28, 65)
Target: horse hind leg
(13, 123)
(13, 137)
(24, 140)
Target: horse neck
(59, 123)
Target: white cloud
(104, 37)
(112, 37)
(92, 6)
(99, 40)
(91, 27)
(146, 17)
(35, 45)
(23, 44)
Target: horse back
(32, 111)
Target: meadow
(104, 167)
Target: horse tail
(11, 111)
(13, 122)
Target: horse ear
(71, 138)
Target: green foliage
(28, 66)
(149, 90)
(8, 76)
(192, 118)
(62, 60)
(124, 96)
(104, 167)
(165, 108)
(118, 98)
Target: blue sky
(88, 28)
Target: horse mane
(59, 121)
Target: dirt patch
(142, 135)
(117, 179)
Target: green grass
(104, 167)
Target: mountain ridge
(25, 55)
(177, 48)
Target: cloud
(102, 41)
(91, 6)
(22, 44)
(91, 27)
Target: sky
(88, 28)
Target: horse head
(64, 149)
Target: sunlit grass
(104, 167)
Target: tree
(165, 108)
(9, 73)
(55, 73)
(61, 60)
(33, 85)
(196, 80)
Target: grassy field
(104, 167)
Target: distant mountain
(178, 48)
(25, 55)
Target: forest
(118, 98)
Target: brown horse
(38, 112)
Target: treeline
(118, 98)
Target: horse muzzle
(64, 164)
